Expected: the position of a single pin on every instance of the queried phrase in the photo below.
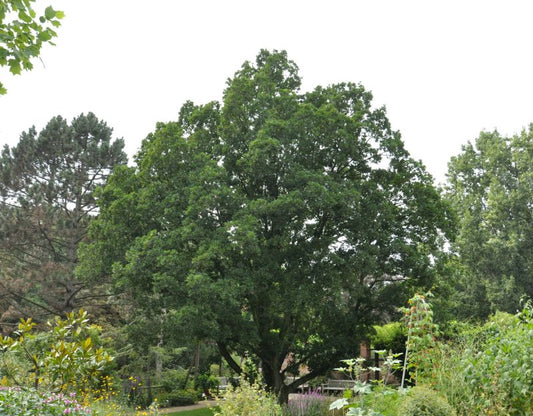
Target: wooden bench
(335, 386)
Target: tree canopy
(491, 187)
(22, 34)
(277, 223)
(47, 184)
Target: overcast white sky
(445, 70)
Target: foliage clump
(181, 397)
(421, 337)
(487, 369)
(390, 337)
(24, 33)
(422, 401)
(69, 356)
(248, 400)
(500, 369)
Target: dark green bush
(422, 401)
(174, 379)
(206, 382)
(179, 398)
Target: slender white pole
(405, 362)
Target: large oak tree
(276, 223)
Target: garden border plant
(422, 335)
(67, 355)
(378, 389)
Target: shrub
(384, 400)
(179, 397)
(206, 382)
(248, 400)
(173, 379)
(69, 356)
(115, 408)
(500, 370)
(448, 376)
(422, 401)
(487, 369)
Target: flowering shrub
(16, 401)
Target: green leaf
(49, 13)
(14, 67)
(338, 404)
(24, 17)
(44, 36)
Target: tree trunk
(197, 360)
(283, 394)
(160, 342)
(275, 381)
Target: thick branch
(305, 378)
(229, 359)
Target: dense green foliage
(500, 368)
(178, 398)
(47, 184)
(421, 336)
(248, 400)
(389, 337)
(491, 187)
(68, 357)
(486, 369)
(259, 222)
(23, 33)
(421, 401)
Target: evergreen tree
(47, 187)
